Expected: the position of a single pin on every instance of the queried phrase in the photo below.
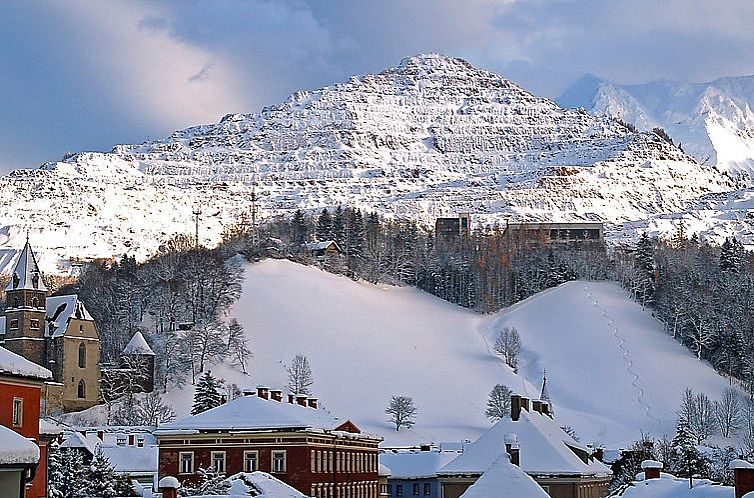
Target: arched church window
(35, 302)
(82, 355)
(82, 389)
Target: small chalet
(292, 439)
(56, 332)
(21, 385)
(324, 249)
(536, 443)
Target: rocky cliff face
(430, 137)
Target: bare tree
(300, 378)
(239, 352)
(698, 413)
(499, 402)
(402, 412)
(729, 413)
(150, 410)
(206, 345)
(508, 345)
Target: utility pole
(197, 211)
(253, 215)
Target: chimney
(599, 454)
(525, 403)
(425, 447)
(249, 392)
(301, 399)
(512, 448)
(546, 409)
(131, 439)
(515, 406)
(651, 469)
(101, 435)
(312, 403)
(291, 398)
(743, 476)
(276, 394)
(263, 392)
(168, 486)
(536, 406)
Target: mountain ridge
(430, 137)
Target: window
(18, 412)
(399, 490)
(82, 355)
(250, 461)
(120, 440)
(319, 462)
(34, 324)
(35, 303)
(140, 441)
(389, 489)
(13, 324)
(82, 389)
(312, 461)
(186, 459)
(218, 461)
(278, 461)
(416, 489)
(427, 489)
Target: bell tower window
(82, 355)
(82, 389)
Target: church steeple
(26, 274)
(545, 394)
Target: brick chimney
(101, 435)
(168, 486)
(263, 392)
(301, 399)
(651, 469)
(276, 394)
(546, 408)
(536, 406)
(525, 403)
(599, 454)
(312, 402)
(512, 448)
(515, 406)
(291, 398)
(743, 476)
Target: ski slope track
(430, 137)
(612, 371)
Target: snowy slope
(366, 343)
(430, 137)
(714, 121)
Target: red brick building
(303, 446)
(21, 384)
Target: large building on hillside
(535, 442)
(56, 332)
(21, 385)
(292, 439)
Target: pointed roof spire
(138, 346)
(545, 395)
(26, 275)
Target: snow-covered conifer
(207, 394)
(498, 403)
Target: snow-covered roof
(320, 246)
(262, 485)
(671, 487)
(75, 439)
(13, 364)
(132, 459)
(651, 464)
(16, 449)
(26, 274)
(138, 345)
(416, 464)
(503, 475)
(60, 310)
(49, 427)
(545, 449)
(254, 413)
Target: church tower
(25, 301)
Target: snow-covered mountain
(611, 369)
(713, 121)
(432, 136)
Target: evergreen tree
(207, 394)
(55, 472)
(299, 228)
(339, 226)
(324, 225)
(498, 403)
(68, 480)
(100, 477)
(686, 460)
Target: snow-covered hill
(611, 369)
(432, 136)
(713, 121)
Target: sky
(87, 74)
